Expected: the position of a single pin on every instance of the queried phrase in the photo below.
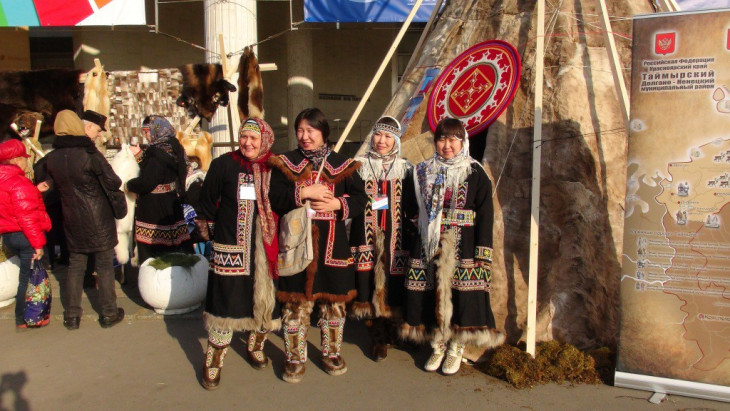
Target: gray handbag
(295, 238)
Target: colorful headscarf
(434, 177)
(261, 177)
(163, 137)
(376, 166)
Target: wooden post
(191, 126)
(382, 67)
(536, 160)
(617, 68)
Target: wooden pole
(536, 160)
(382, 67)
(426, 29)
(617, 68)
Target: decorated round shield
(477, 86)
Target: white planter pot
(9, 278)
(174, 290)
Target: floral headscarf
(261, 176)
(163, 137)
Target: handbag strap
(316, 180)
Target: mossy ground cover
(177, 259)
(554, 362)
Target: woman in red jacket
(23, 218)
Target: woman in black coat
(159, 223)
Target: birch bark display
(583, 159)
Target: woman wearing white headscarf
(450, 269)
(378, 239)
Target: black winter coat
(78, 171)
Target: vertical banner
(675, 283)
(365, 11)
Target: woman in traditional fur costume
(159, 224)
(243, 231)
(377, 237)
(450, 268)
(329, 280)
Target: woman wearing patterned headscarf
(159, 224)
(377, 236)
(243, 230)
(447, 286)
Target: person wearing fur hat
(243, 231)
(447, 284)
(377, 237)
(23, 217)
(82, 177)
(159, 223)
(329, 280)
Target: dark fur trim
(275, 161)
(250, 87)
(380, 301)
(361, 310)
(312, 267)
(416, 334)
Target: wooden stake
(375, 79)
(617, 68)
(536, 160)
(191, 126)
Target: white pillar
(236, 21)
(300, 85)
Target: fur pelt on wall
(250, 87)
(7, 116)
(126, 167)
(43, 91)
(96, 98)
(204, 89)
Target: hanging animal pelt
(7, 116)
(250, 87)
(42, 91)
(96, 98)
(204, 89)
(126, 167)
(198, 147)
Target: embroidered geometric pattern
(244, 221)
(167, 235)
(338, 170)
(483, 253)
(296, 168)
(400, 262)
(328, 259)
(363, 256)
(227, 259)
(396, 231)
(220, 338)
(471, 279)
(299, 332)
(345, 207)
(461, 195)
(164, 188)
(418, 280)
(463, 218)
(338, 325)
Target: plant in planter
(174, 283)
(9, 272)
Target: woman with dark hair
(377, 237)
(450, 267)
(159, 224)
(243, 231)
(329, 280)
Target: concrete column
(300, 84)
(236, 21)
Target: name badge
(380, 202)
(246, 192)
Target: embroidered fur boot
(437, 357)
(453, 358)
(295, 345)
(256, 355)
(332, 332)
(213, 364)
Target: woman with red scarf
(243, 232)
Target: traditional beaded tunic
(379, 243)
(159, 224)
(448, 296)
(240, 292)
(330, 277)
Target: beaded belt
(326, 216)
(462, 218)
(164, 188)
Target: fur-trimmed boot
(378, 329)
(437, 357)
(453, 358)
(332, 332)
(218, 343)
(295, 345)
(256, 355)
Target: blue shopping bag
(38, 297)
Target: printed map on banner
(675, 285)
(47, 13)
